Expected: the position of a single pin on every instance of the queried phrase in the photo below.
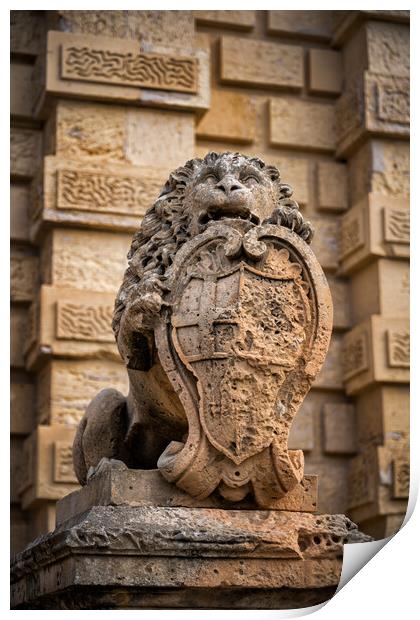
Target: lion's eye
(211, 177)
(250, 179)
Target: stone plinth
(126, 553)
(165, 557)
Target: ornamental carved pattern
(155, 71)
(398, 348)
(84, 322)
(103, 193)
(63, 462)
(396, 225)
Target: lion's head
(220, 186)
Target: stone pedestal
(134, 555)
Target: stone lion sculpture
(221, 188)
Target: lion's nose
(229, 184)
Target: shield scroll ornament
(247, 331)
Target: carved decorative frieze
(355, 353)
(93, 191)
(63, 462)
(398, 348)
(400, 478)
(352, 233)
(396, 225)
(393, 100)
(157, 71)
(84, 322)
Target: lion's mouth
(218, 214)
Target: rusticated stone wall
(104, 105)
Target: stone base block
(114, 484)
(124, 557)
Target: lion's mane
(166, 227)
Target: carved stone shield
(245, 335)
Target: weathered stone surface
(340, 292)
(331, 375)
(174, 28)
(302, 124)
(191, 548)
(380, 166)
(22, 398)
(21, 90)
(18, 335)
(388, 48)
(373, 481)
(47, 467)
(19, 208)
(383, 415)
(332, 186)
(374, 227)
(339, 426)
(229, 447)
(231, 117)
(326, 241)
(325, 72)
(25, 152)
(302, 431)
(24, 277)
(114, 69)
(113, 484)
(65, 387)
(382, 287)
(303, 24)
(148, 130)
(238, 20)
(259, 63)
(85, 260)
(376, 350)
(27, 30)
(373, 104)
(18, 529)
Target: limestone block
(18, 335)
(340, 292)
(383, 414)
(24, 276)
(345, 27)
(114, 69)
(388, 48)
(16, 456)
(72, 323)
(41, 519)
(22, 399)
(376, 351)
(86, 260)
(332, 186)
(19, 212)
(339, 426)
(303, 24)
(382, 287)
(145, 27)
(383, 526)
(189, 553)
(18, 529)
(259, 63)
(374, 227)
(115, 485)
(331, 375)
(326, 241)
(380, 166)
(65, 387)
(90, 130)
(325, 72)
(25, 152)
(373, 104)
(372, 482)
(299, 124)
(302, 431)
(158, 138)
(47, 465)
(231, 117)
(332, 488)
(94, 195)
(21, 90)
(238, 20)
(27, 30)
